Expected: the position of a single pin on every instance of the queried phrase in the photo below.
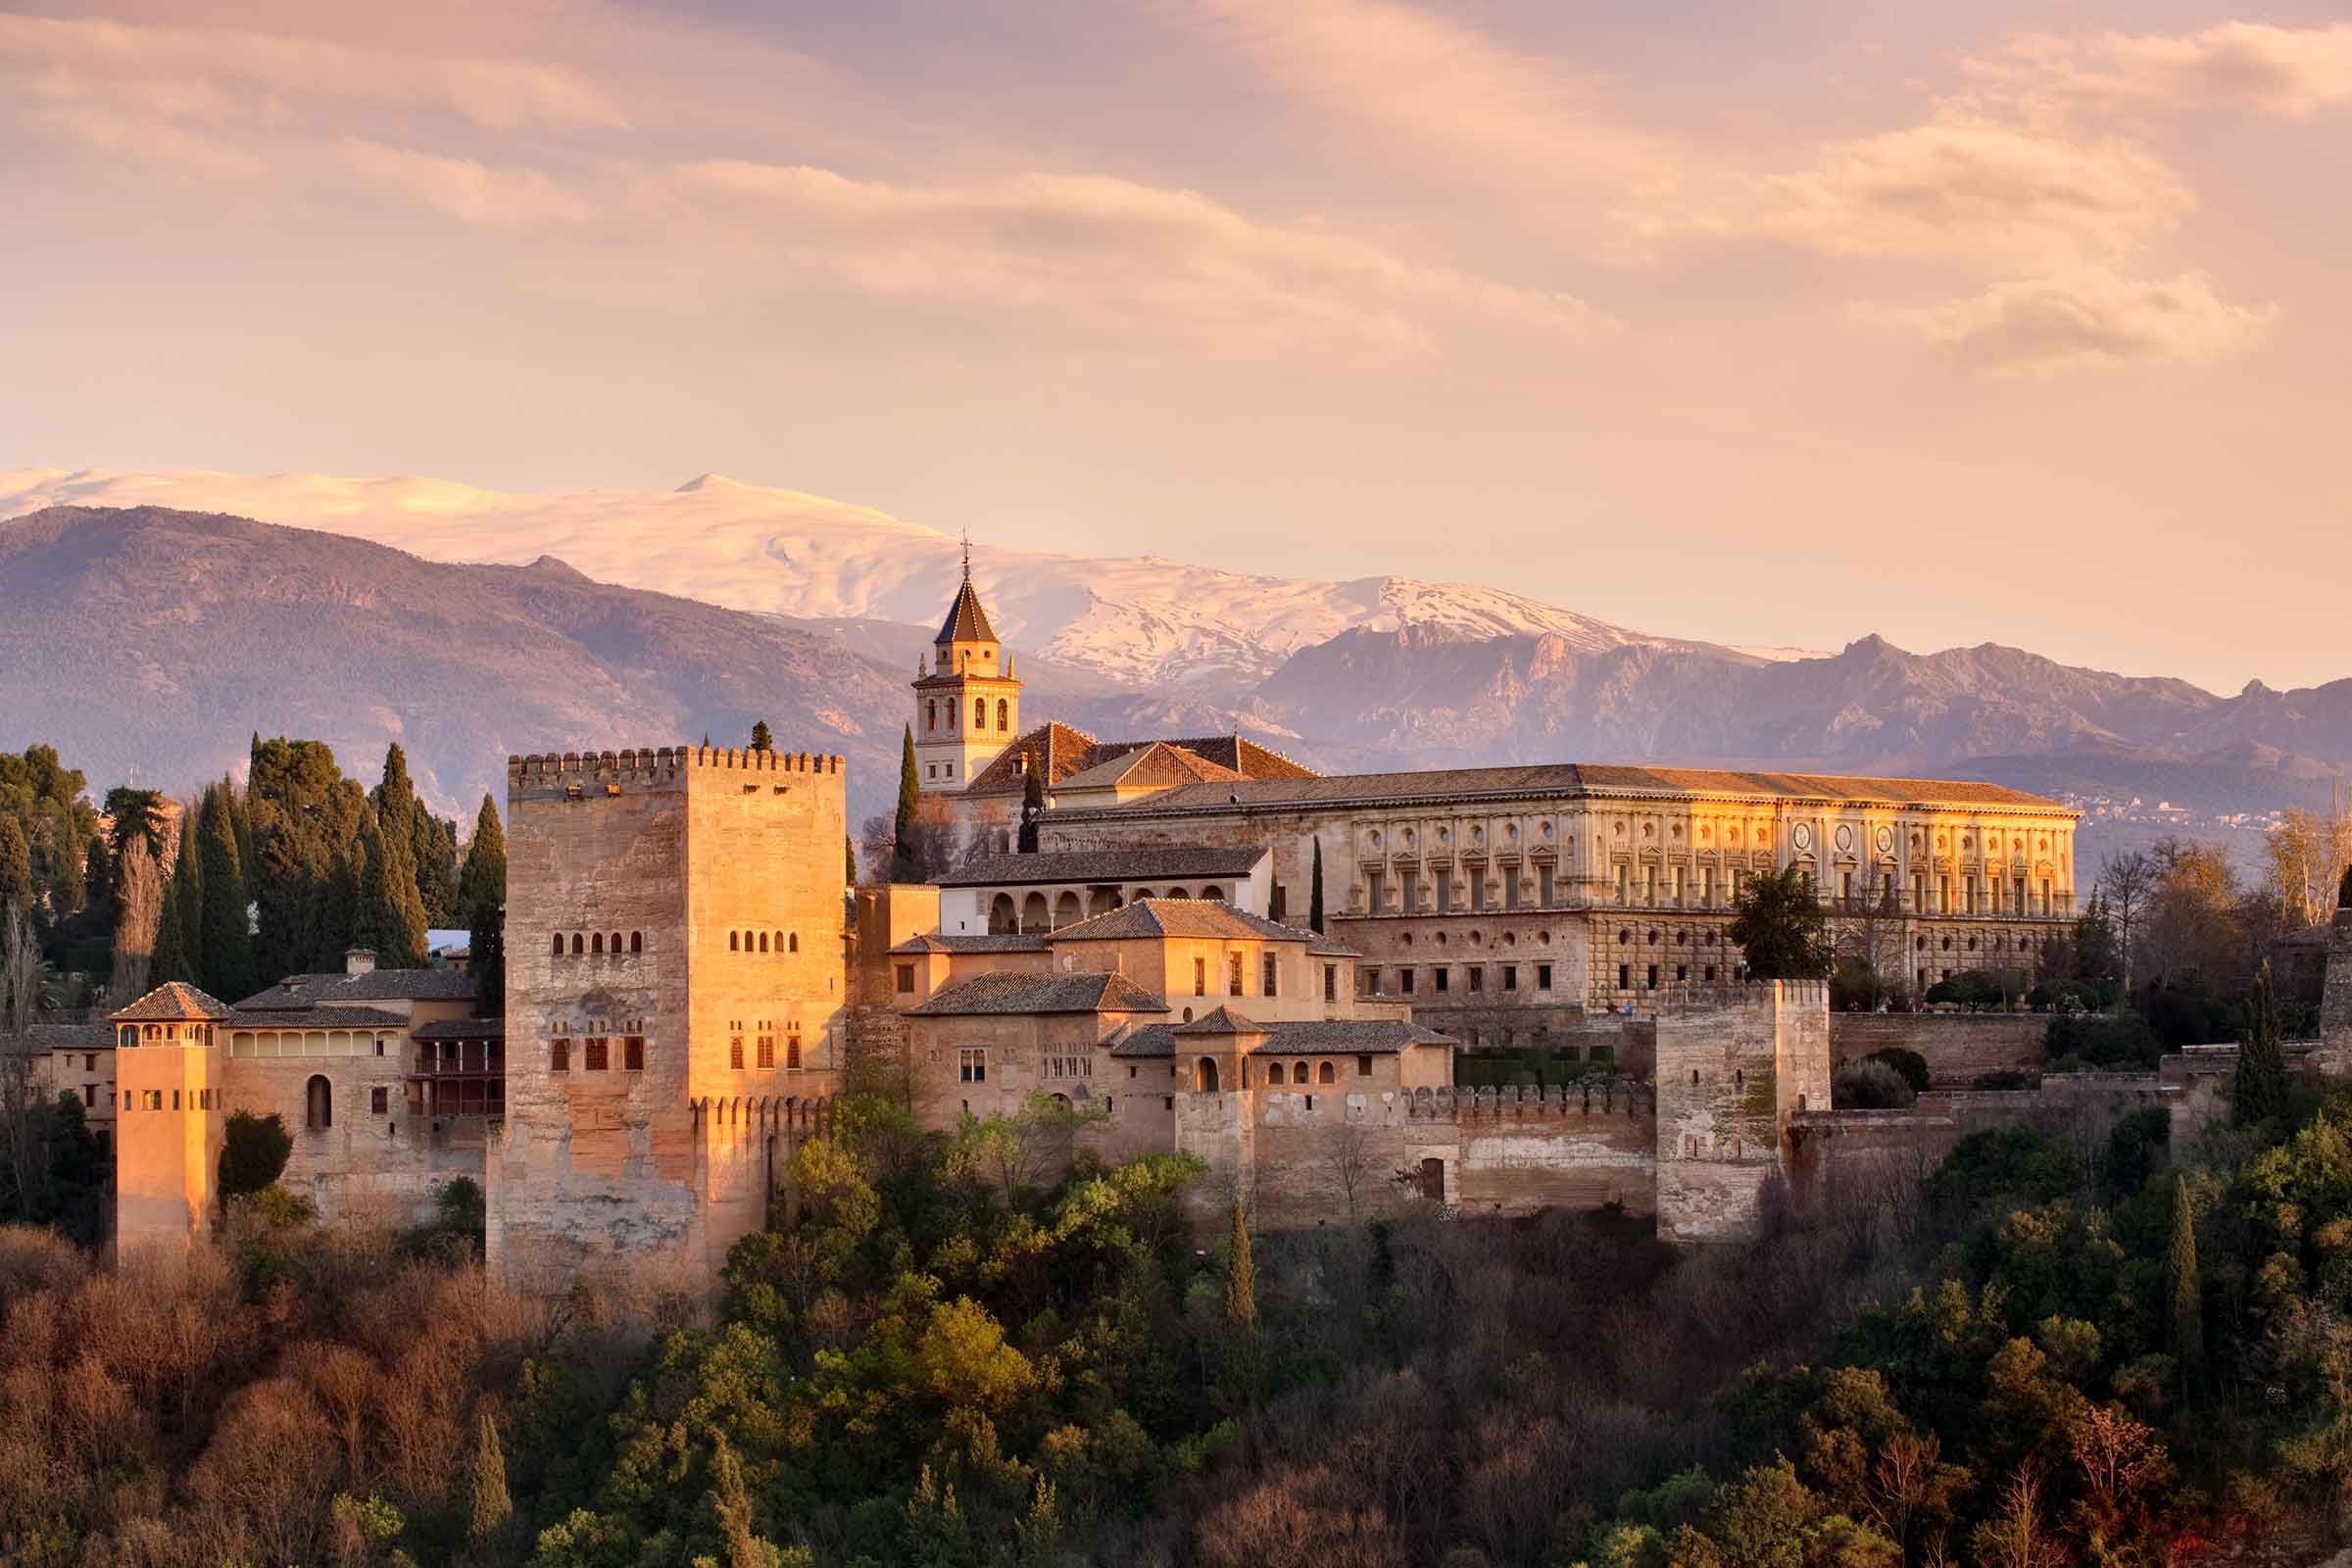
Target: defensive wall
(1959, 1048)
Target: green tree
(16, 866)
(434, 846)
(2184, 1308)
(98, 873)
(849, 860)
(482, 899)
(731, 1506)
(1244, 1342)
(1033, 808)
(2261, 1089)
(180, 924)
(1779, 926)
(227, 940)
(1314, 895)
(2098, 950)
(911, 799)
(135, 814)
(391, 917)
(306, 816)
(490, 1510)
(761, 739)
(254, 1150)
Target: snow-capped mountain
(1138, 621)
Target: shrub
(2076, 1044)
(2007, 1078)
(1870, 1085)
(1910, 1064)
(252, 1153)
(2135, 1149)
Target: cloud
(1432, 82)
(2084, 319)
(461, 188)
(1960, 187)
(222, 74)
(1109, 253)
(2291, 73)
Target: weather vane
(967, 554)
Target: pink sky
(1778, 325)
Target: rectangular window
(1412, 892)
(1624, 977)
(1649, 886)
(1233, 974)
(1623, 874)
(792, 1052)
(1268, 984)
(735, 1051)
(1653, 977)
(1200, 978)
(1511, 887)
(1440, 974)
(1445, 890)
(1543, 886)
(1477, 976)
(1376, 891)
(767, 1052)
(972, 1064)
(1279, 907)
(378, 1100)
(1167, 1102)
(1364, 1066)
(89, 1095)
(632, 1053)
(1331, 982)
(174, 1100)
(1543, 977)
(1405, 981)
(905, 979)
(599, 1054)
(1477, 888)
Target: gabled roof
(1092, 990)
(1569, 780)
(992, 941)
(1222, 1021)
(1187, 863)
(317, 1018)
(95, 1035)
(461, 1029)
(1064, 753)
(1054, 746)
(1214, 919)
(172, 1002)
(1338, 1037)
(966, 621)
(1242, 756)
(1156, 766)
(377, 985)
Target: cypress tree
(911, 796)
(390, 917)
(482, 896)
(16, 866)
(1315, 897)
(732, 1503)
(491, 1508)
(98, 873)
(228, 939)
(433, 845)
(848, 863)
(184, 909)
(1033, 808)
(2185, 1315)
(2261, 1090)
(169, 960)
(1244, 1349)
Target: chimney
(359, 960)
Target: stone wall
(1734, 1065)
(2335, 1003)
(1959, 1047)
(384, 1165)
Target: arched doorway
(1205, 1075)
(318, 1099)
(1003, 919)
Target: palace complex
(1213, 949)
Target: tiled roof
(966, 621)
(95, 1035)
(1222, 1021)
(1180, 917)
(317, 1018)
(1242, 756)
(172, 1002)
(1093, 991)
(1156, 766)
(378, 985)
(461, 1029)
(992, 941)
(1572, 779)
(1327, 946)
(1188, 864)
(1066, 753)
(1055, 746)
(1338, 1037)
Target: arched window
(1003, 918)
(559, 945)
(1205, 1075)
(734, 942)
(578, 946)
(596, 943)
(931, 715)
(1033, 912)
(792, 942)
(1003, 715)
(1324, 1074)
(1274, 1074)
(1066, 910)
(979, 712)
(762, 942)
(615, 941)
(320, 1099)
(1214, 893)
(636, 942)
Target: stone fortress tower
(968, 705)
(675, 1002)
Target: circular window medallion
(1801, 835)
(1846, 835)
(1376, 838)
(1885, 841)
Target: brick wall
(1959, 1047)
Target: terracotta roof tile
(172, 1002)
(1157, 765)
(1338, 1037)
(993, 941)
(377, 985)
(1180, 917)
(1187, 863)
(1093, 991)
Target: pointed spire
(967, 554)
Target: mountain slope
(159, 640)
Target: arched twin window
(979, 712)
(1003, 715)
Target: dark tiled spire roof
(966, 621)
(174, 1002)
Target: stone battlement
(1751, 994)
(1619, 1096)
(554, 768)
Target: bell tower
(968, 705)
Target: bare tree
(139, 898)
(1867, 937)
(2128, 881)
(2306, 853)
(1348, 1155)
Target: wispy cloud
(2087, 317)
(1115, 254)
(467, 190)
(2291, 72)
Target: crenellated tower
(968, 705)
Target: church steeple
(967, 708)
